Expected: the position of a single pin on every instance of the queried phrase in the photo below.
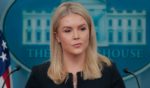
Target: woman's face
(73, 34)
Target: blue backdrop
(122, 28)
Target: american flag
(4, 62)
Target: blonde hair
(94, 62)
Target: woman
(75, 62)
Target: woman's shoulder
(111, 70)
(112, 73)
(39, 72)
(38, 77)
(41, 67)
(110, 67)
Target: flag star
(4, 44)
(3, 56)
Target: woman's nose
(75, 35)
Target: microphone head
(18, 67)
(125, 70)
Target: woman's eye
(67, 30)
(83, 29)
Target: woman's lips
(77, 45)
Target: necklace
(75, 84)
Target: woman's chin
(77, 52)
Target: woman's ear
(57, 37)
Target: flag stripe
(8, 79)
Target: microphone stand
(127, 71)
(17, 69)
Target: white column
(24, 36)
(43, 27)
(115, 23)
(144, 30)
(33, 38)
(125, 28)
(134, 24)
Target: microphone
(16, 69)
(128, 72)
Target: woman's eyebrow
(67, 27)
(82, 25)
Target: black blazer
(110, 79)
